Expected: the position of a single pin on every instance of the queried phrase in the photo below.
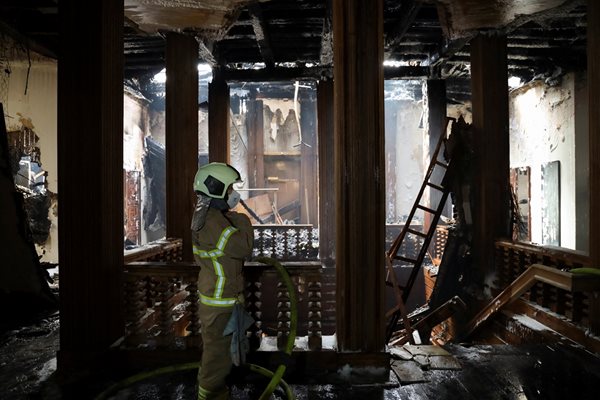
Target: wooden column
(181, 136)
(326, 172)
(309, 166)
(256, 145)
(359, 174)
(436, 118)
(593, 75)
(219, 143)
(90, 173)
(489, 88)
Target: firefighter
(221, 240)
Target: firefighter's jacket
(220, 248)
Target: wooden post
(308, 163)
(90, 173)
(326, 175)
(436, 119)
(219, 142)
(256, 146)
(491, 208)
(593, 75)
(181, 136)
(359, 174)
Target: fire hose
(276, 377)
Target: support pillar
(181, 136)
(219, 142)
(256, 146)
(326, 172)
(593, 77)
(309, 166)
(90, 173)
(491, 208)
(359, 174)
(436, 118)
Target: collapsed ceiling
(289, 39)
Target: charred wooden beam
(143, 43)
(275, 74)
(408, 13)
(27, 41)
(205, 51)
(131, 26)
(287, 74)
(261, 32)
(326, 54)
(542, 17)
(405, 72)
(447, 50)
(428, 322)
(544, 43)
(560, 34)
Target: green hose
(276, 378)
(293, 324)
(184, 367)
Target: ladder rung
(429, 210)
(409, 260)
(441, 164)
(438, 187)
(418, 233)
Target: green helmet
(213, 179)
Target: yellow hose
(293, 323)
(184, 367)
(276, 378)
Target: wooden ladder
(402, 292)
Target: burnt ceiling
(291, 39)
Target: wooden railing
(286, 242)
(562, 280)
(512, 259)
(161, 250)
(161, 292)
(162, 303)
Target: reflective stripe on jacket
(217, 299)
(220, 247)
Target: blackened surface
(488, 372)
(37, 207)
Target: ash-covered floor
(559, 371)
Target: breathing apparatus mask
(233, 199)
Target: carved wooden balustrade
(512, 259)
(161, 305)
(286, 242)
(161, 298)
